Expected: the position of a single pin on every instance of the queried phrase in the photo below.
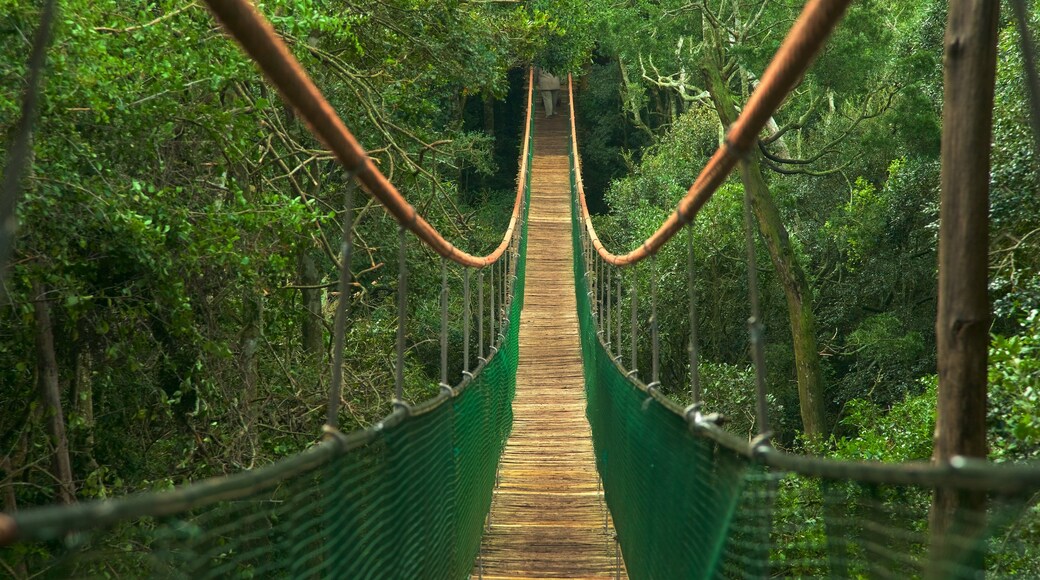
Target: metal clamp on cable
(402, 406)
(632, 373)
(697, 419)
(650, 389)
(692, 413)
(760, 445)
(469, 375)
(331, 433)
(447, 389)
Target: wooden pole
(963, 317)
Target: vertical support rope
(695, 375)
(505, 289)
(514, 260)
(619, 325)
(608, 310)
(467, 316)
(480, 315)
(602, 300)
(402, 310)
(635, 320)
(595, 291)
(444, 323)
(755, 325)
(342, 306)
(655, 338)
(504, 275)
(491, 312)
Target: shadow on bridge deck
(548, 518)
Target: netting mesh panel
(686, 506)
(408, 502)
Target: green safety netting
(407, 498)
(689, 500)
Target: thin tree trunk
(312, 327)
(963, 317)
(11, 506)
(83, 397)
(489, 114)
(249, 343)
(50, 397)
(796, 287)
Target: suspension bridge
(549, 458)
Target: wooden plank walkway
(548, 518)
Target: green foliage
(1014, 393)
(173, 198)
(901, 433)
(569, 34)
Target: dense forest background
(845, 189)
(178, 233)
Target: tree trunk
(50, 397)
(249, 343)
(83, 400)
(789, 271)
(17, 561)
(489, 114)
(312, 326)
(963, 317)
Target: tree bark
(50, 397)
(796, 287)
(83, 400)
(489, 114)
(963, 317)
(11, 506)
(249, 343)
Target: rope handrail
(962, 473)
(262, 43)
(804, 41)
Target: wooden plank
(548, 518)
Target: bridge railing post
(608, 311)
(491, 312)
(480, 315)
(467, 316)
(695, 376)
(634, 369)
(655, 340)
(755, 328)
(618, 344)
(342, 305)
(444, 323)
(402, 311)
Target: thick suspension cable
(262, 43)
(785, 71)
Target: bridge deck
(548, 518)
